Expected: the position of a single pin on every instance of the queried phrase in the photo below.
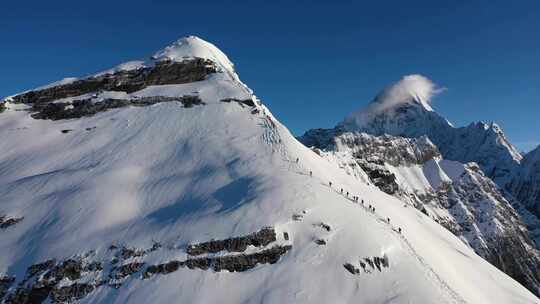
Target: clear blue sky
(310, 62)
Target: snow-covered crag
(458, 196)
(403, 109)
(166, 180)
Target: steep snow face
(410, 90)
(403, 110)
(456, 195)
(526, 184)
(123, 191)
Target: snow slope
(175, 175)
(458, 196)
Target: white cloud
(408, 89)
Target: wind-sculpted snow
(164, 174)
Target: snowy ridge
(154, 179)
(458, 196)
(186, 48)
(525, 184)
(194, 47)
(404, 114)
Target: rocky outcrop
(247, 102)
(164, 268)
(123, 271)
(89, 107)
(324, 226)
(238, 244)
(243, 262)
(71, 292)
(163, 73)
(6, 222)
(368, 265)
(2, 107)
(483, 143)
(380, 176)
(5, 284)
(73, 278)
(43, 281)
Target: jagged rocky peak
(404, 109)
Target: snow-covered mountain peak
(411, 91)
(194, 47)
(403, 108)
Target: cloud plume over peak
(409, 89)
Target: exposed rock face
(164, 268)
(247, 102)
(73, 278)
(164, 72)
(42, 281)
(320, 242)
(71, 293)
(89, 107)
(231, 263)
(243, 262)
(6, 222)
(368, 265)
(39, 268)
(380, 176)
(459, 197)
(5, 284)
(2, 107)
(125, 270)
(238, 244)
